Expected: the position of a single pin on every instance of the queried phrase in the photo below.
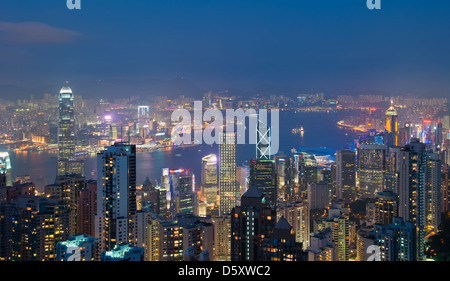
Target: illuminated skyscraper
(419, 190)
(182, 195)
(66, 130)
(5, 169)
(209, 179)
(371, 168)
(250, 223)
(263, 176)
(227, 173)
(392, 122)
(116, 195)
(346, 175)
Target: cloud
(35, 33)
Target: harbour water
(320, 131)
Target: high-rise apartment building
(116, 195)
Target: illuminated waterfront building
(116, 195)
(227, 173)
(182, 195)
(392, 122)
(5, 169)
(78, 248)
(209, 182)
(66, 130)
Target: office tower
(154, 197)
(386, 207)
(339, 224)
(262, 139)
(243, 175)
(346, 175)
(438, 136)
(222, 238)
(250, 223)
(227, 173)
(308, 170)
(371, 161)
(87, 208)
(143, 120)
(418, 183)
(318, 195)
(209, 179)
(182, 196)
(397, 241)
(5, 169)
(298, 216)
(116, 195)
(66, 130)
(405, 134)
(281, 174)
(123, 252)
(38, 224)
(263, 176)
(392, 123)
(281, 244)
(322, 247)
(78, 248)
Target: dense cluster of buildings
(276, 208)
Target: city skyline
(335, 145)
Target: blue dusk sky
(268, 46)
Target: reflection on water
(320, 131)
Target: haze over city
(177, 47)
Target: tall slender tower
(116, 195)
(346, 175)
(227, 173)
(66, 130)
(392, 122)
